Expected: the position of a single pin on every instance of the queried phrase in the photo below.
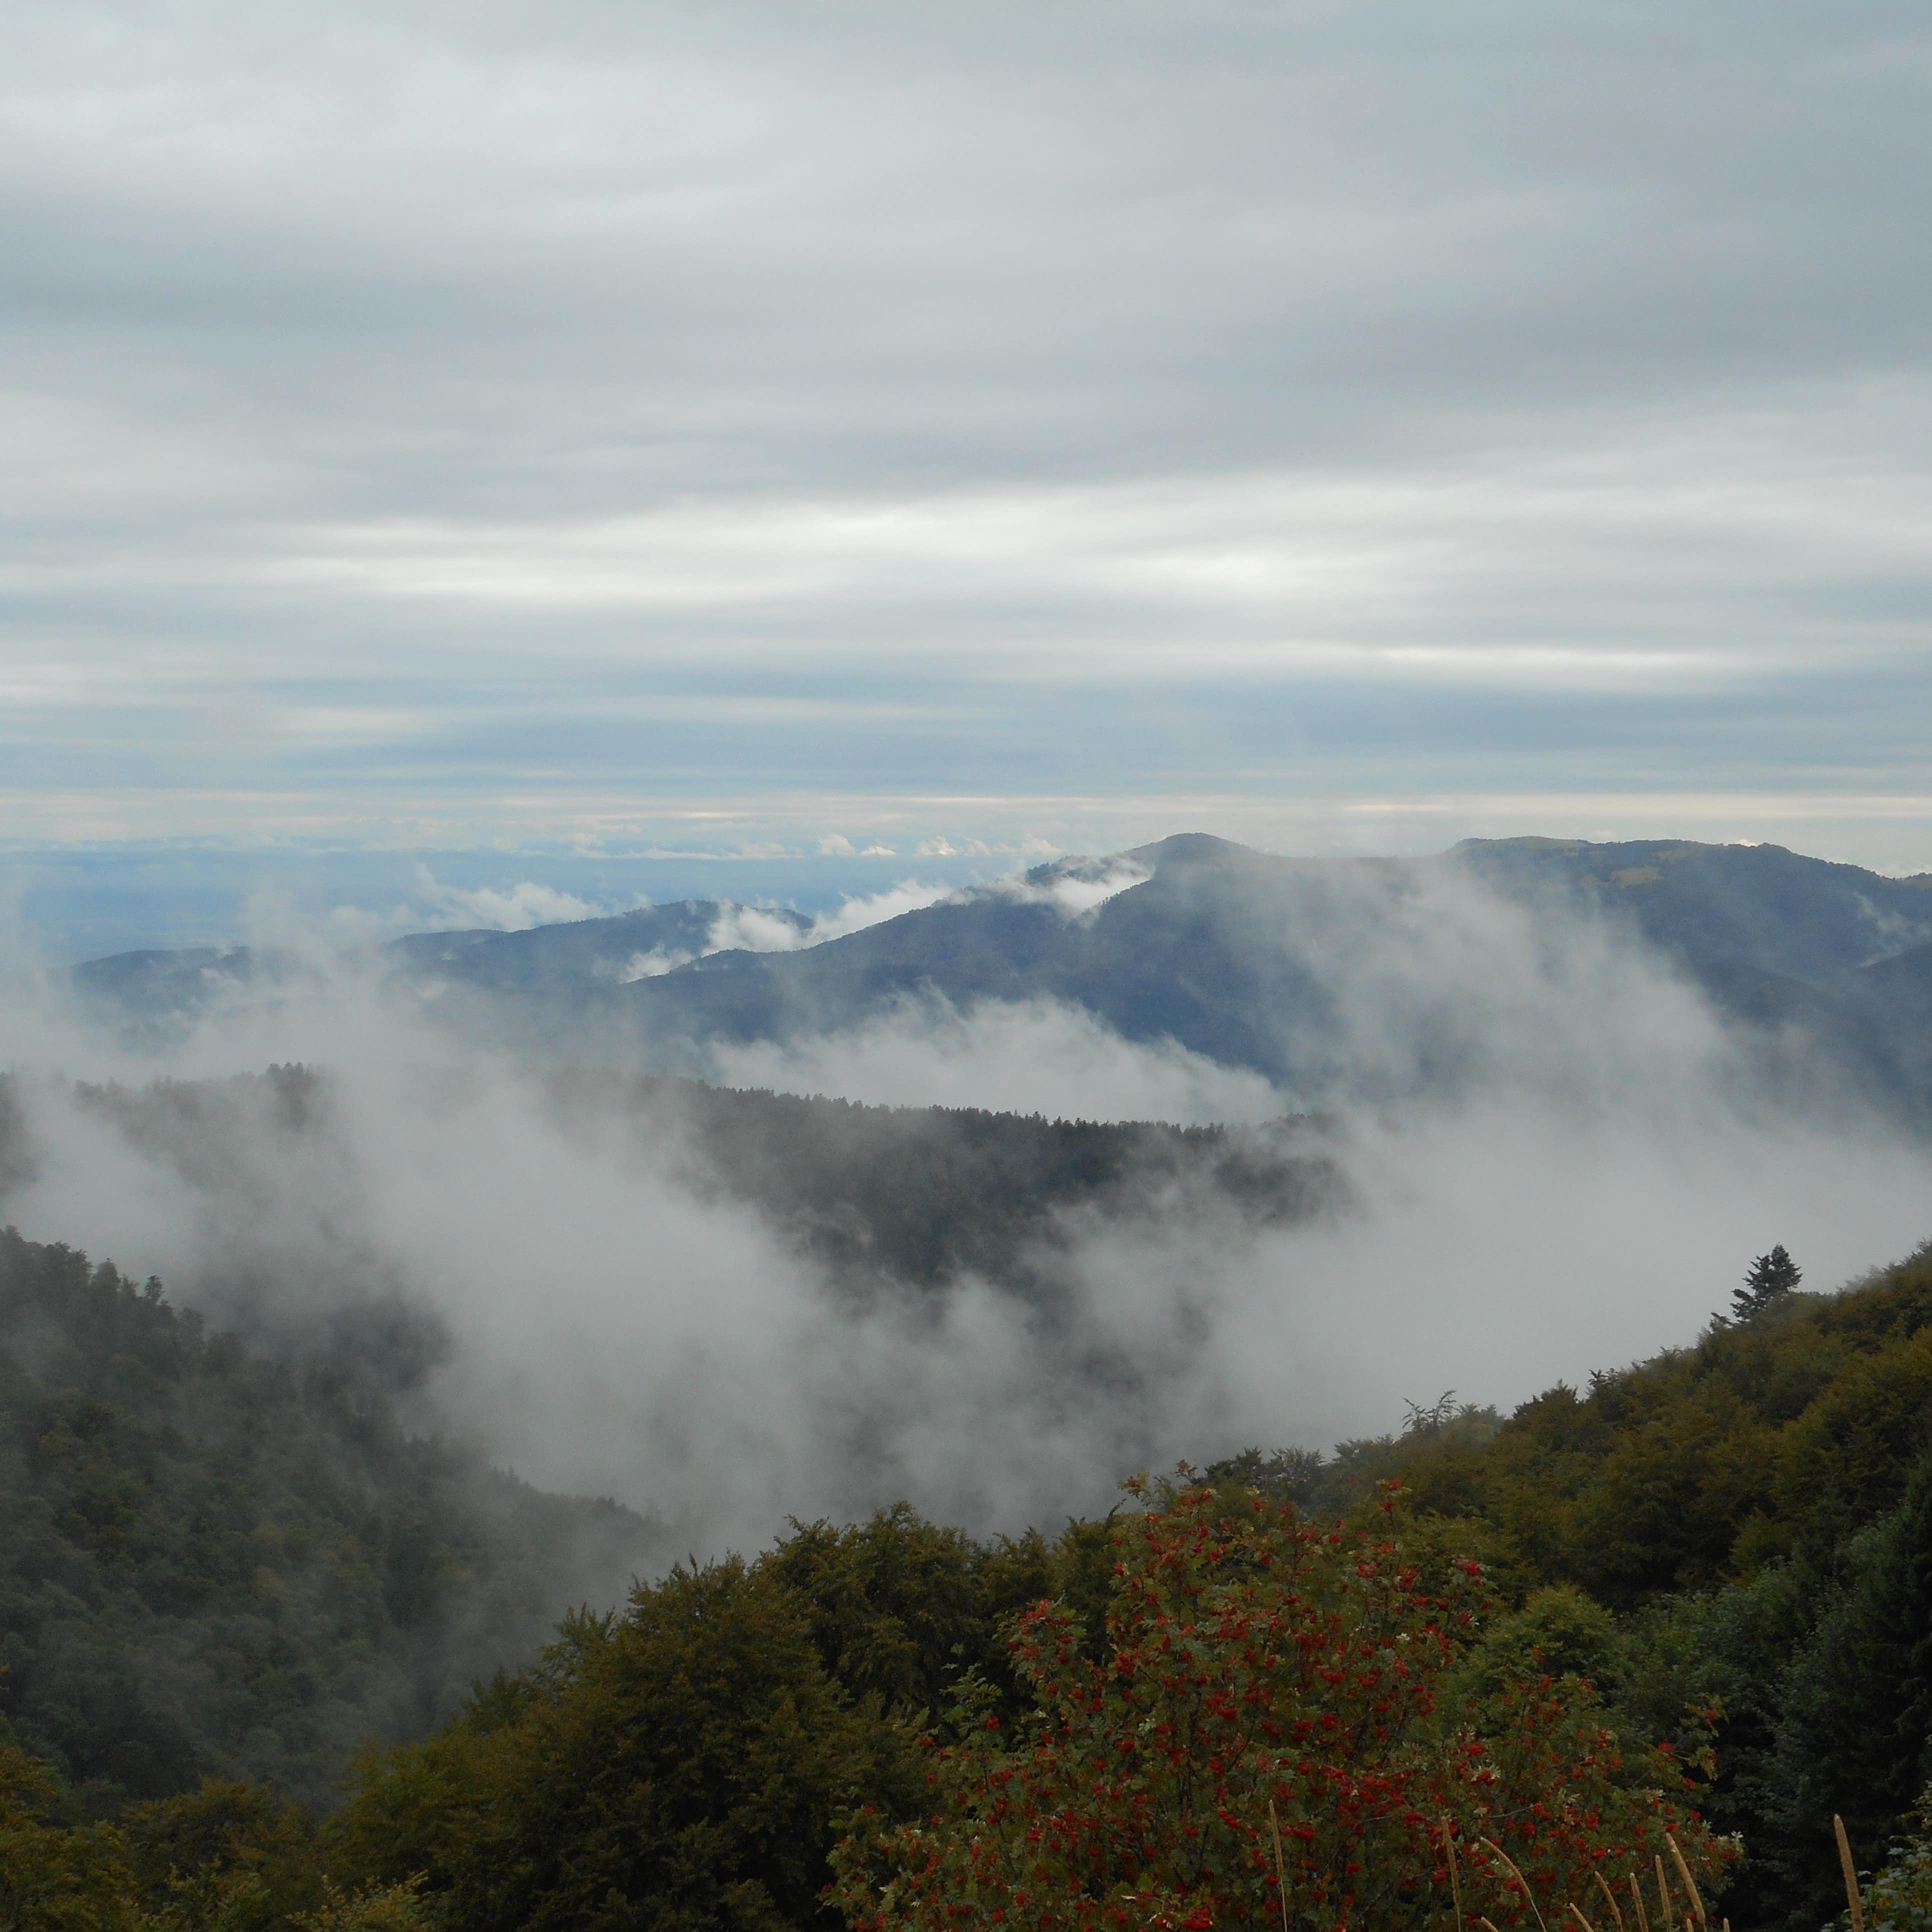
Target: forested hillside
(212, 1565)
(1744, 1526)
(922, 1195)
(1702, 1584)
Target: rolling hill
(1251, 960)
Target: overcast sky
(718, 426)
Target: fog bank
(565, 1283)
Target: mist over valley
(892, 1212)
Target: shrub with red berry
(1266, 1671)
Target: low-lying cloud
(519, 905)
(1595, 1169)
(1034, 1057)
(435, 907)
(1072, 887)
(751, 928)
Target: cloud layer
(1332, 423)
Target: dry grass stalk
(1580, 1919)
(1636, 1893)
(1455, 1878)
(1663, 1894)
(1485, 1925)
(1510, 1863)
(1850, 1870)
(1610, 1899)
(1281, 1871)
(1690, 1883)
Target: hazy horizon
(67, 904)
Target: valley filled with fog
(1446, 1131)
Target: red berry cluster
(1266, 1743)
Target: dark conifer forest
(217, 1565)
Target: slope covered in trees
(923, 1194)
(1745, 1526)
(212, 1564)
(1703, 1584)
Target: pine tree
(1770, 1276)
(1854, 1734)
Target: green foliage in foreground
(683, 1764)
(1749, 1521)
(1898, 1897)
(1273, 1734)
(680, 1766)
(691, 1765)
(1729, 1546)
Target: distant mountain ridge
(596, 951)
(1816, 920)
(1241, 956)
(1237, 954)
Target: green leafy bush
(1264, 1670)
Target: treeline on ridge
(923, 1195)
(910, 1197)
